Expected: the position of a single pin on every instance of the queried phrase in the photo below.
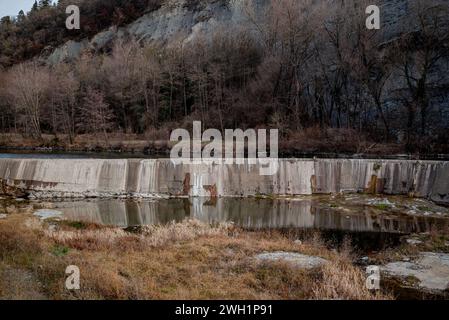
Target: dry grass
(105, 238)
(19, 284)
(342, 279)
(189, 260)
(333, 140)
(119, 142)
(309, 140)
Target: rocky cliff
(176, 21)
(179, 21)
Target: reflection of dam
(248, 213)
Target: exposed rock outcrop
(69, 51)
(178, 21)
(430, 270)
(297, 260)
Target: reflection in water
(307, 213)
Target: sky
(12, 7)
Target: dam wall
(149, 178)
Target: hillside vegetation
(43, 27)
(312, 70)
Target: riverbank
(189, 260)
(118, 145)
(332, 144)
(196, 260)
(193, 259)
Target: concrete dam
(156, 178)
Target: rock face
(184, 20)
(175, 21)
(392, 13)
(430, 269)
(69, 51)
(162, 178)
(297, 260)
(178, 21)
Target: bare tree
(365, 60)
(149, 82)
(96, 113)
(64, 100)
(122, 73)
(417, 55)
(28, 88)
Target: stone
(297, 260)
(103, 39)
(70, 51)
(3, 216)
(47, 214)
(430, 269)
(364, 261)
(413, 242)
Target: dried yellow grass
(188, 260)
(149, 236)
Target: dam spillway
(147, 178)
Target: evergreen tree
(21, 16)
(6, 20)
(44, 3)
(35, 7)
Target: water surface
(354, 213)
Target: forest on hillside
(315, 72)
(43, 27)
